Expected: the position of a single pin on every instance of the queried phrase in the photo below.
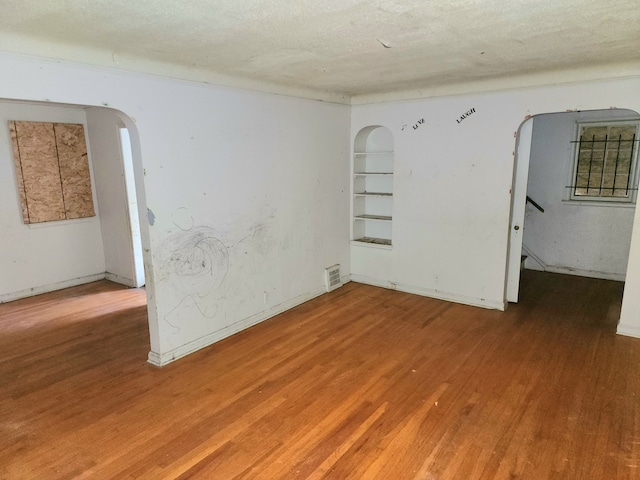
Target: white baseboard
(628, 330)
(345, 278)
(618, 277)
(29, 292)
(160, 360)
(425, 292)
(112, 277)
(539, 265)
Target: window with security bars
(605, 163)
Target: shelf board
(372, 173)
(375, 241)
(373, 194)
(373, 217)
(374, 153)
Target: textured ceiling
(347, 47)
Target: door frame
(522, 158)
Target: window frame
(633, 172)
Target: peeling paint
(151, 217)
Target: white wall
(247, 193)
(46, 256)
(572, 237)
(104, 134)
(452, 186)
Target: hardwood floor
(361, 383)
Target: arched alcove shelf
(373, 186)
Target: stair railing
(535, 204)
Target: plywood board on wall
(74, 170)
(40, 171)
(52, 171)
(18, 170)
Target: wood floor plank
(361, 383)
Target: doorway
(554, 230)
(113, 158)
(56, 255)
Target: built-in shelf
(390, 152)
(375, 241)
(374, 194)
(374, 217)
(364, 174)
(373, 186)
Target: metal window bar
(604, 166)
(606, 141)
(575, 187)
(600, 141)
(633, 145)
(615, 171)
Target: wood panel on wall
(52, 171)
(74, 170)
(18, 169)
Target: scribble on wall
(198, 257)
(196, 262)
(182, 219)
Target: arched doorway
(552, 227)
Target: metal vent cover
(332, 278)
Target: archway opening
(574, 192)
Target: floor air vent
(332, 277)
